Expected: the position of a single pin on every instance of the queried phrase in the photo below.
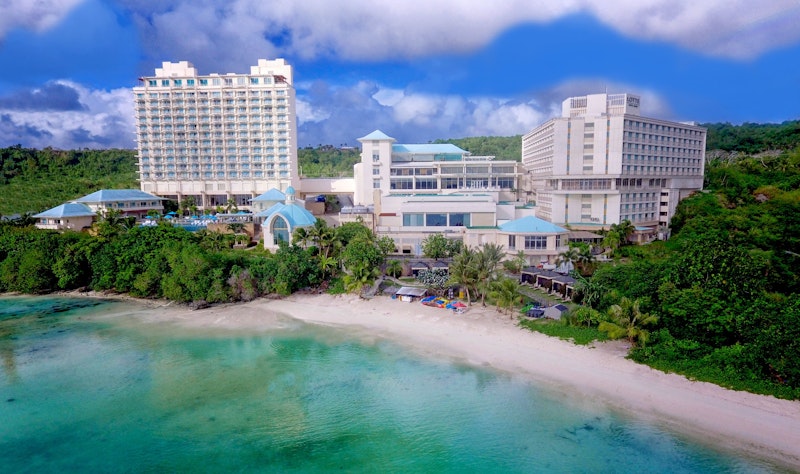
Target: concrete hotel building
(601, 162)
(216, 137)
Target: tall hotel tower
(601, 163)
(216, 137)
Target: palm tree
(462, 271)
(301, 237)
(626, 320)
(360, 277)
(585, 259)
(568, 257)
(394, 268)
(505, 293)
(489, 257)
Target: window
(165, 82)
(535, 242)
(401, 184)
(253, 80)
(512, 242)
(189, 82)
(376, 171)
(152, 83)
(178, 82)
(459, 219)
(413, 220)
(435, 220)
(425, 183)
(376, 184)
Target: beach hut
(409, 293)
(555, 312)
(416, 267)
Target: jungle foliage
(722, 296)
(502, 148)
(170, 262)
(34, 180)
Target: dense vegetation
(502, 148)
(164, 261)
(753, 138)
(327, 161)
(720, 301)
(34, 180)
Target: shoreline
(761, 426)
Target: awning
(410, 291)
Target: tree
(434, 246)
(435, 279)
(488, 258)
(463, 271)
(626, 320)
(567, 258)
(505, 293)
(394, 268)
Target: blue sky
(417, 69)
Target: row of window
(450, 183)
(214, 175)
(217, 158)
(532, 242)
(214, 81)
(637, 125)
(191, 95)
(435, 219)
(210, 166)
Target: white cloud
(36, 15)
(105, 121)
(227, 32)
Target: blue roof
(295, 215)
(531, 225)
(69, 209)
(376, 135)
(429, 148)
(271, 195)
(110, 195)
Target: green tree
(505, 293)
(626, 320)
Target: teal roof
(69, 209)
(376, 135)
(271, 195)
(429, 148)
(295, 215)
(111, 195)
(531, 225)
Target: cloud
(35, 15)
(338, 115)
(226, 32)
(94, 119)
(52, 96)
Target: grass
(578, 335)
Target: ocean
(86, 386)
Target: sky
(419, 70)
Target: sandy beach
(760, 425)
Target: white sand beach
(761, 425)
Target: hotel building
(410, 191)
(601, 162)
(216, 137)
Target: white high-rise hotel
(601, 163)
(216, 137)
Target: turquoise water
(83, 392)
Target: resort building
(67, 216)
(217, 138)
(279, 222)
(81, 213)
(414, 190)
(601, 162)
(410, 191)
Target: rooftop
(111, 195)
(531, 225)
